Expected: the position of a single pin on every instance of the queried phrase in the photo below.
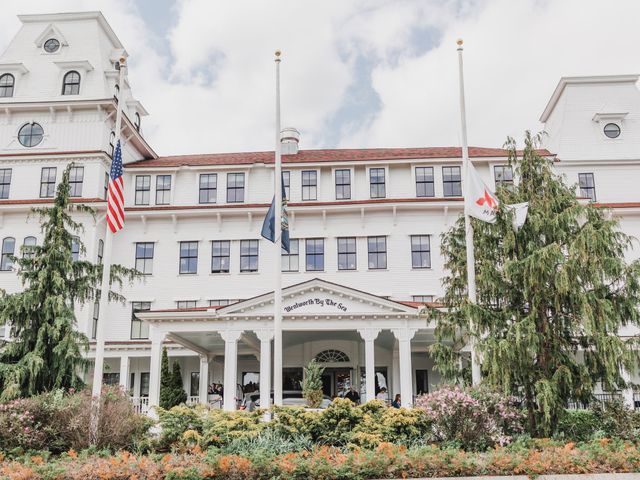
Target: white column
(627, 393)
(230, 338)
(369, 335)
(404, 337)
(124, 372)
(154, 367)
(394, 385)
(203, 386)
(265, 337)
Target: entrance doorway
(336, 381)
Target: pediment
(51, 32)
(318, 297)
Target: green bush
(609, 419)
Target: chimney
(289, 138)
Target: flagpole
(104, 288)
(471, 261)
(277, 226)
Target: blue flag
(268, 228)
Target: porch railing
(193, 399)
(140, 404)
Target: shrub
(57, 422)
(609, 419)
(220, 427)
(473, 423)
(312, 384)
(171, 391)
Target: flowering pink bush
(473, 418)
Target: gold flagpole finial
(122, 60)
(459, 42)
(278, 53)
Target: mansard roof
(324, 155)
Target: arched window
(137, 121)
(100, 251)
(27, 247)
(71, 83)
(332, 356)
(8, 248)
(116, 92)
(112, 141)
(7, 82)
(30, 134)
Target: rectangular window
(94, 324)
(587, 186)
(208, 188)
(76, 177)
(188, 257)
(143, 189)
(343, 184)
(235, 187)
(5, 182)
(8, 249)
(181, 304)
(377, 183)
(106, 185)
(451, 181)
(139, 329)
(291, 260)
(422, 298)
(347, 253)
(75, 249)
(424, 182)
(420, 251)
(48, 182)
(163, 189)
(309, 185)
(377, 247)
(222, 302)
(248, 255)
(132, 382)
(144, 384)
(314, 251)
(503, 175)
(220, 256)
(194, 385)
(286, 183)
(144, 257)
(110, 378)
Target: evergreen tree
(552, 296)
(171, 391)
(47, 350)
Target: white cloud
(211, 89)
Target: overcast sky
(355, 73)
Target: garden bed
(534, 457)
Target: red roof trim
(193, 309)
(617, 204)
(420, 304)
(38, 201)
(297, 204)
(325, 155)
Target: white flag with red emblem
(480, 201)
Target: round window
(30, 134)
(52, 45)
(612, 130)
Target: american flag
(115, 198)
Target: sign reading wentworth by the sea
(320, 302)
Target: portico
(362, 339)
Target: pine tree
(552, 296)
(47, 350)
(171, 391)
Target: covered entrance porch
(375, 345)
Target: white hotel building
(366, 223)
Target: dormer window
(136, 121)
(7, 82)
(71, 83)
(612, 130)
(52, 45)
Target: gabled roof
(324, 155)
